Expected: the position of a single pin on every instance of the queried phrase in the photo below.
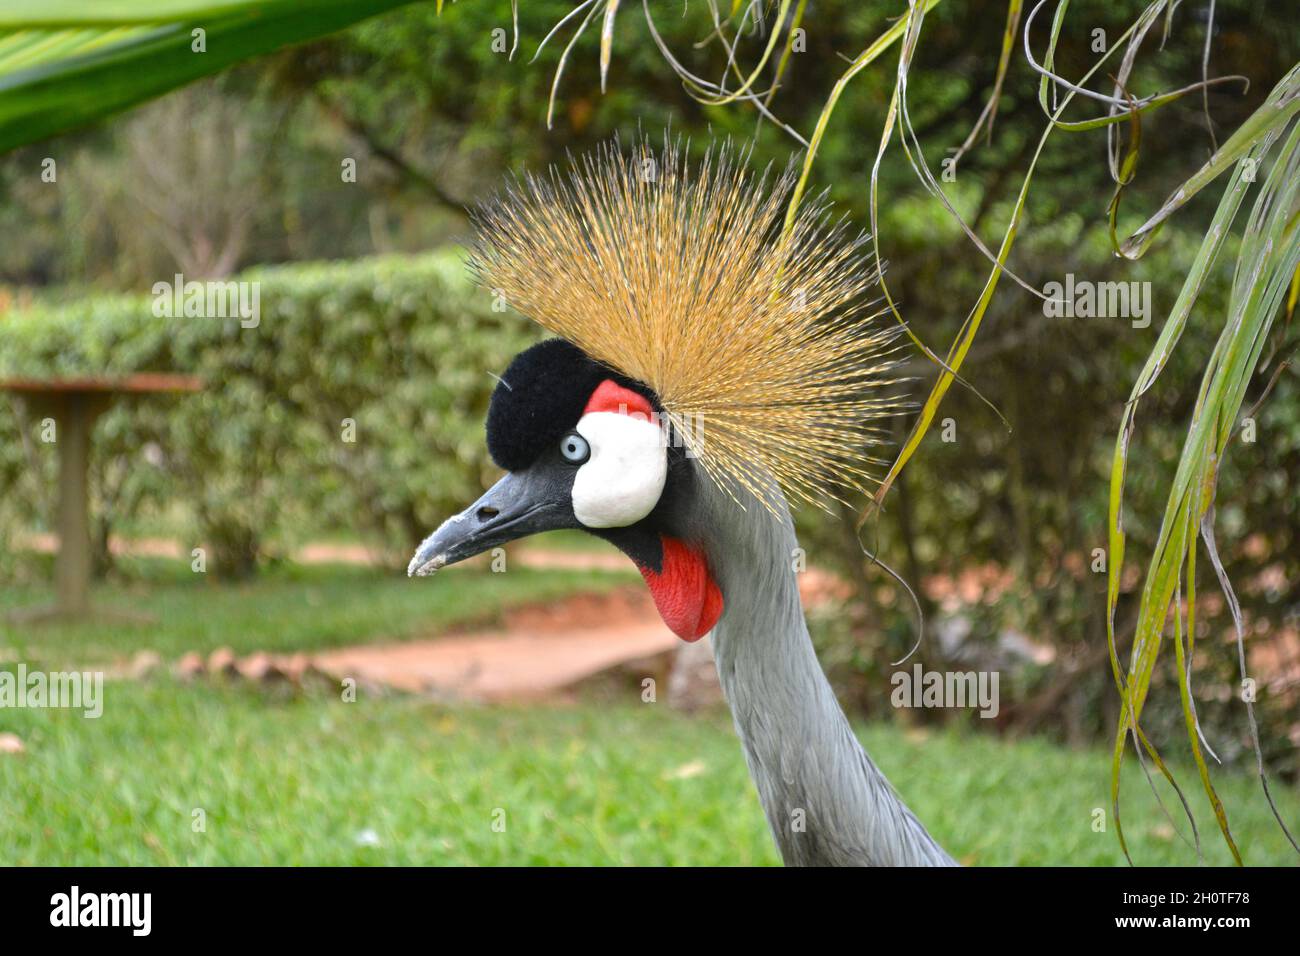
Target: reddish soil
(539, 651)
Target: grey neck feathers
(826, 802)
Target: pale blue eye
(574, 448)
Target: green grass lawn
(310, 779)
(287, 608)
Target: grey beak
(520, 504)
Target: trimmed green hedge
(398, 346)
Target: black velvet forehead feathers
(541, 396)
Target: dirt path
(330, 553)
(515, 664)
(540, 651)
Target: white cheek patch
(622, 480)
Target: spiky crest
(760, 344)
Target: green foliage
(63, 65)
(1266, 266)
(357, 402)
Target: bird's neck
(825, 800)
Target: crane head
(587, 448)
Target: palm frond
(64, 64)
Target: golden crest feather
(758, 342)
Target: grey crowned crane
(709, 365)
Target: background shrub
(389, 352)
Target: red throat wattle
(610, 396)
(685, 593)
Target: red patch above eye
(609, 396)
(687, 597)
